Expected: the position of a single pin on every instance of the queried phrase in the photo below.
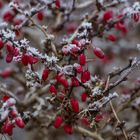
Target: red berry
(5, 98)
(19, 122)
(57, 3)
(40, 15)
(45, 74)
(98, 52)
(32, 59)
(85, 121)
(135, 16)
(17, 22)
(52, 89)
(8, 16)
(71, 27)
(9, 58)
(112, 38)
(84, 97)
(24, 59)
(76, 42)
(1, 44)
(58, 121)
(74, 82)
(10, 47)
(14, 113)
(61, 79)
(68, 129)
(121, 26)
(107, 15)
(75, 105)
(6, 73)
(79, 69)
(82, 59)
(85, 76)
(8, 128)
(98, 117)
(64, 82)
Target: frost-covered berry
(75, 105)
(79, 68)
(58, 121)
(11, 102)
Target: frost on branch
(56, 57)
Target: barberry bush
(69, 69)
